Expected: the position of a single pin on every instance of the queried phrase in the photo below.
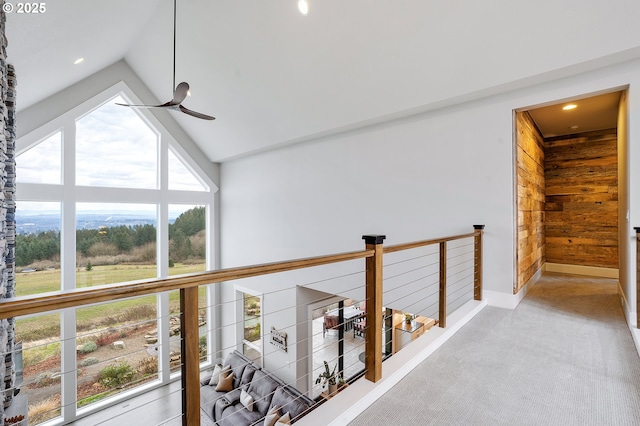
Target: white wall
(420, 177)
(428, 175)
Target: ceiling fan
(181, 90)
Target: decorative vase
(333, 388)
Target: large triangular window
(106, 195)
(116, 148)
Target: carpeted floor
(564, 356)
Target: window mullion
(162, 253)
(67, 267)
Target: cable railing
(371, 304)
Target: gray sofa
(266, 390)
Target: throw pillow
(246, 400)
(215, 377)
(226, 382)
(284, 420)
(272, 417)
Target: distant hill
(34, 223)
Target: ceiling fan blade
(146, 106)
(180, 93)
(196, 114)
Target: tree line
(46, 245)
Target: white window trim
(240, 292)
(68, 195)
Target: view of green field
(42, 326)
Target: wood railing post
(190, 356)
(373, 335)
(637, 276)
(442, 319)
(477, 262)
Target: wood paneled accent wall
(530, 157)
(581, 174)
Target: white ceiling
(274, 77)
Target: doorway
(570, 186)
(334, 340)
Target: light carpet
(564, 356)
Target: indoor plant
(329, 377)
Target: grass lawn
(48, 325)
(46, 281)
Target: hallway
(564, 356)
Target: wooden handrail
(416, 244)
(188, 286)
(26, 305)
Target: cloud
(42, 163)
(114, 148)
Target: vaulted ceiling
(274, 77)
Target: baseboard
(635, 333)
(592, 271)
(504, 300)
(360, 395)
(510, 301)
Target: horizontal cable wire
(452, 302)
(458, 256)
(462, 280)
(233, 301)
(264, 351)
(159, 398)
(408, 307)
(451, 266)
(241, 321)
(470, 244)
(409, 271)
(391, 302)
(409, 260)
(330, 361)
(87, 336)
(311, 336)
(453, 274)
(397, 287)
(284, 327)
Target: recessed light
(303, 7)
(569, 107)
(574, 127)
(78, 61)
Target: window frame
(68, 194)
(240, 292)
